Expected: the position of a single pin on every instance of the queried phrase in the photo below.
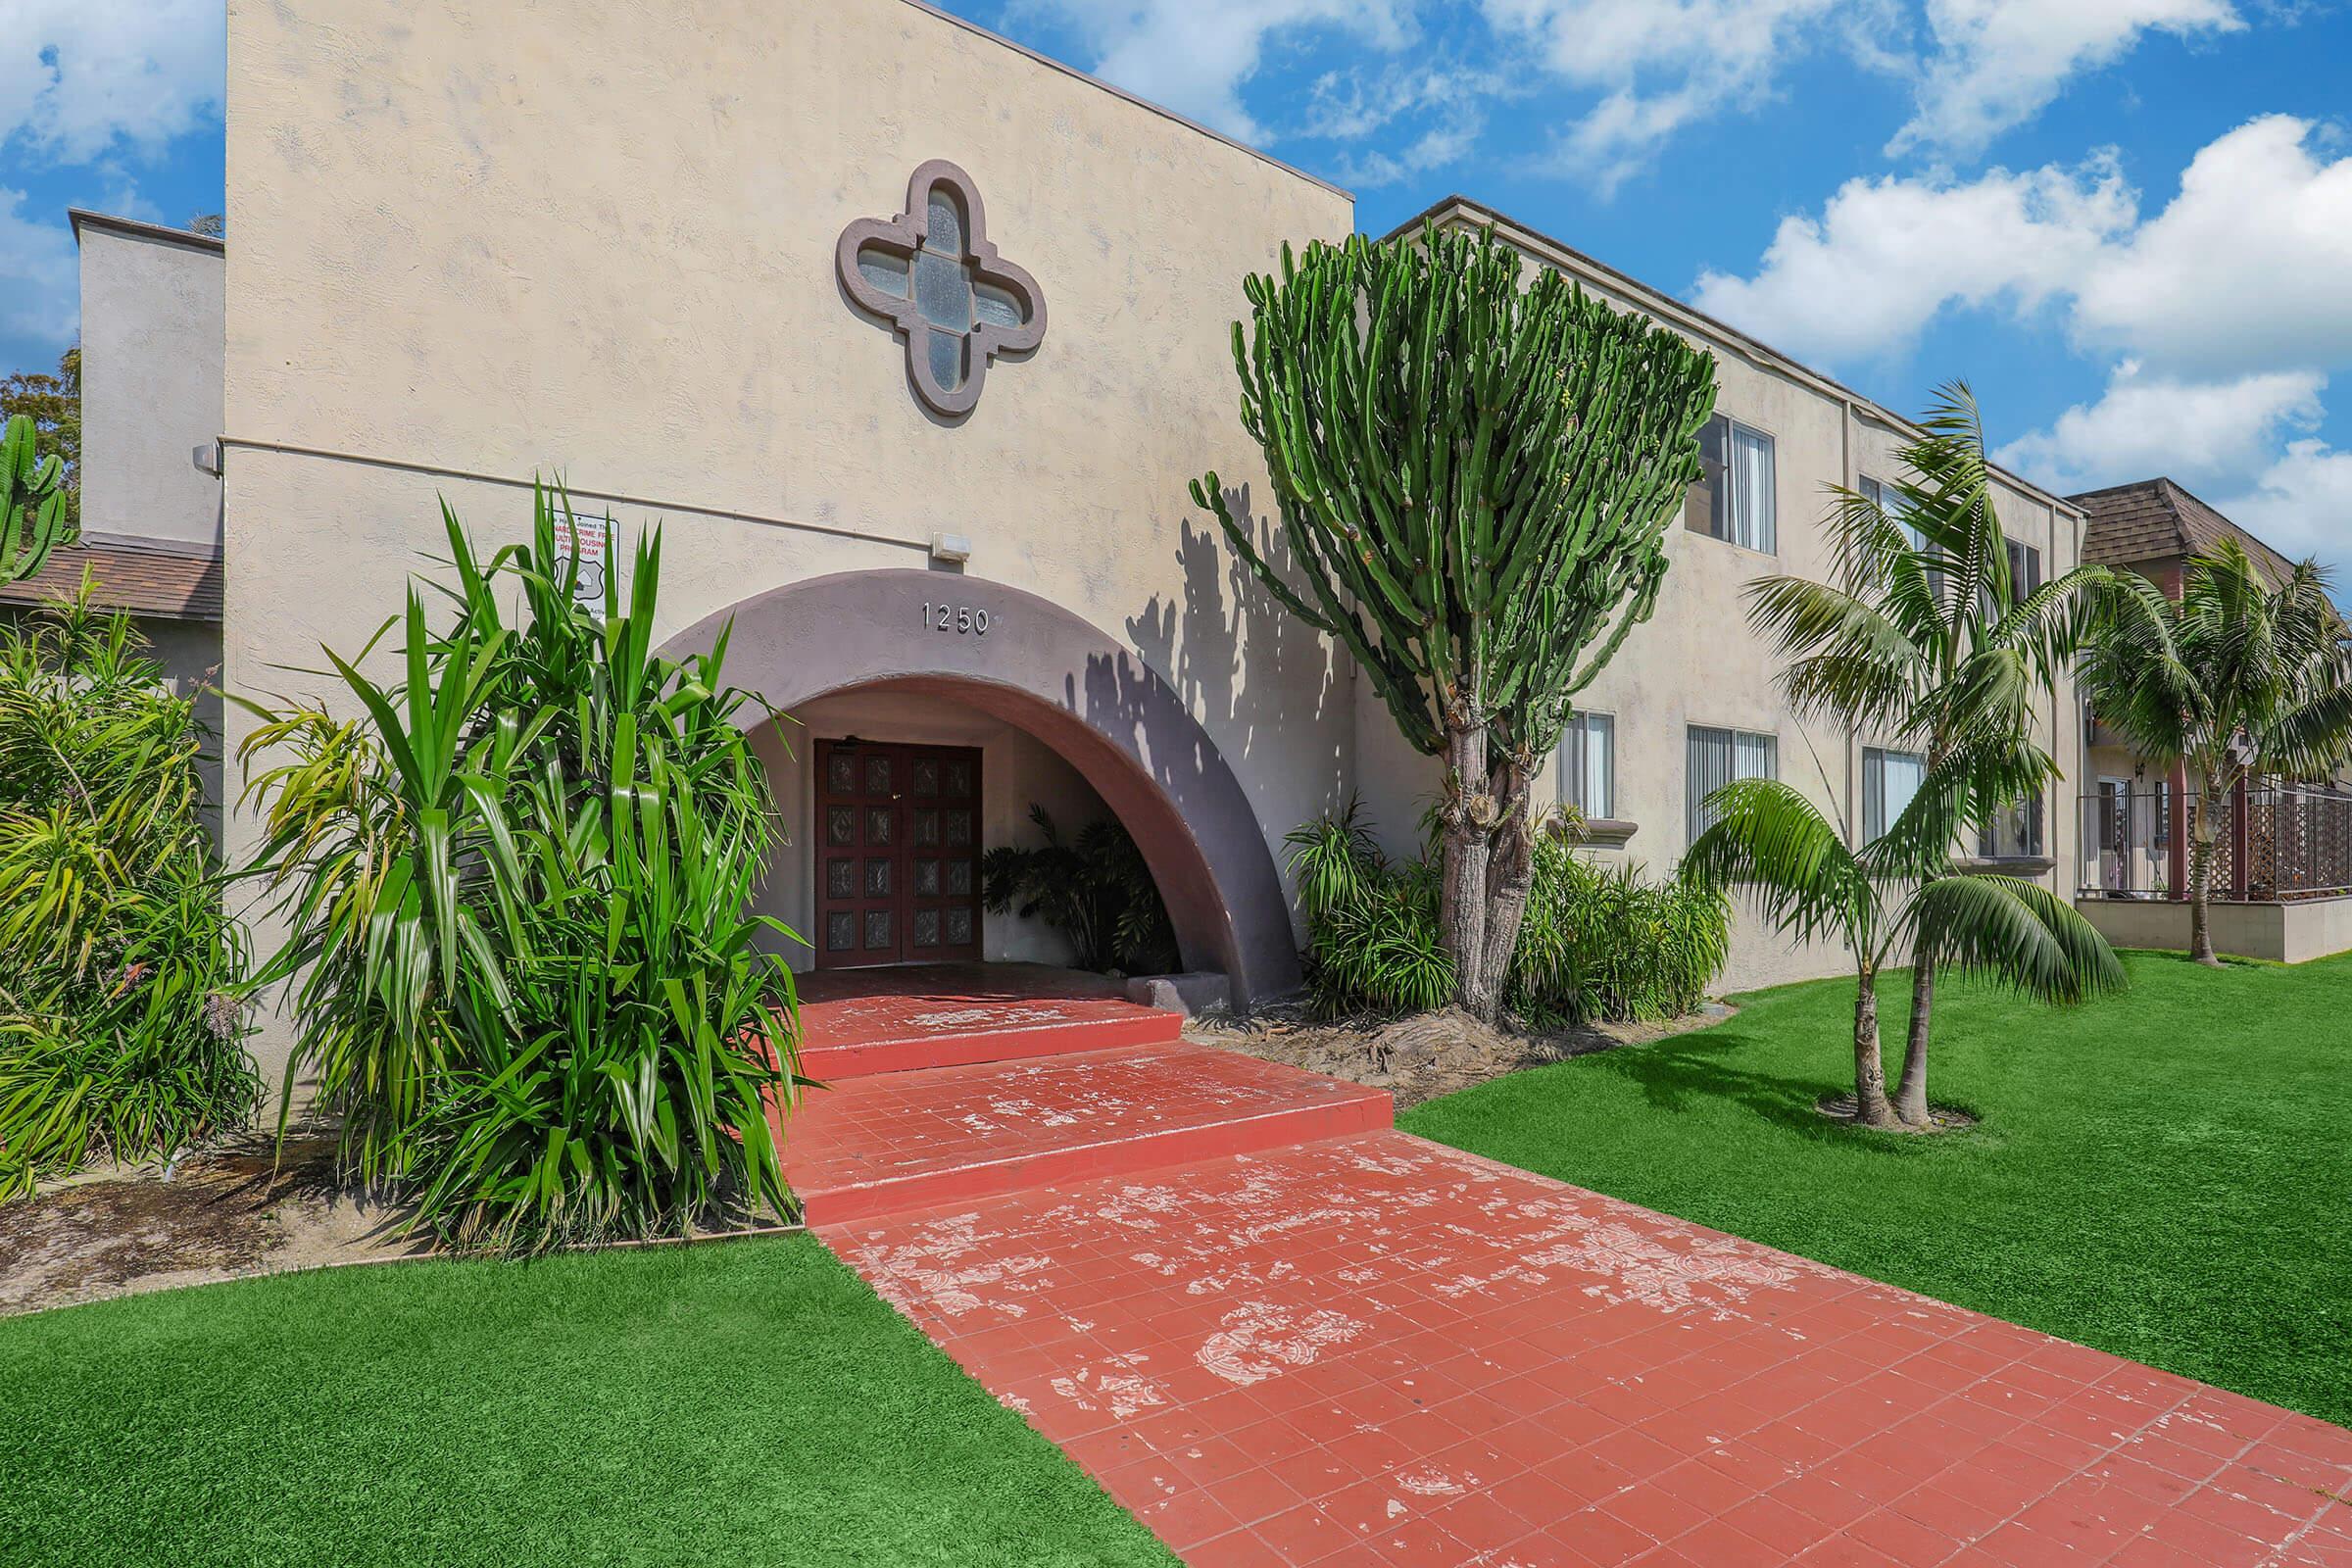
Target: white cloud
(1886, 255)
(1660, 65)
(1193, 56)
(2251, 264)
(39, 278)
(1999, 62)
(2300, 505)
(2194, 432)
(1449, 102)
(79, 76)
(2245, 269)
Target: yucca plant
(1610, 942)
(1096, 889)
(1596, 945)
(120, 1034)
(515, 887)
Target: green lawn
(2166, 1174)
(746, 1402)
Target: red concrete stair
(856, 1022)
(892, 1143)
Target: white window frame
(1744, 750)
(1575, 771)
(1876, 817)
(1736, 513)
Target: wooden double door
(898, 866)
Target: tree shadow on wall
(1265, 686)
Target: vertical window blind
(1719, 756)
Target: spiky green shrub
(1372, 938)
(1596, 944)
(1611, 944)
(1095, 888)
(119, 1032)
(516, 886)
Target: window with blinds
(1588, 765)
(1890, 780)
(1887, 499)
(1719, 756)
(1734, 499)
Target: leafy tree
(1925, 640)
(2237, 679)
(1771, 840)
(1474, 472)
(53, 403)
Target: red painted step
(857, 1023)
(892, 1143)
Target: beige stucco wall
(583, 236)
(1698, 662)
(154, 316)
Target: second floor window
(1890, 781)
(1734, 500)
(2025, 569)
(1588, 765)
(2014, 833)
(1887, 499)
(1719, 756)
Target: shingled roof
(145, 582)
(2155, 519)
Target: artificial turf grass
(2161, 1174)
(743, 1402)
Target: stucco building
(153, 335)
(2282, 876)
(913, 340)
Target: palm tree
(1927, 641)
(1768, 838)
(2238, 679)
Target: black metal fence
(2296, 842)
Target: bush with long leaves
(120, 1034)
(1596, 945)
(1094, 888)
(516, 885)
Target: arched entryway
(1046, 671)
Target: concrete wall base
(2288, 932)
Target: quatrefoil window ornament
(933, 274)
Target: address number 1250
(962, 619)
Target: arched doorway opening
(982, 648)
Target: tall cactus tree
(1474, 475)
(33, 490)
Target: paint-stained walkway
(1371, 1349)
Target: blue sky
(2129, 223)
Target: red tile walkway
(1284, 1334)
(907, 1017)
(907, 1139)
(1376, 1351)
